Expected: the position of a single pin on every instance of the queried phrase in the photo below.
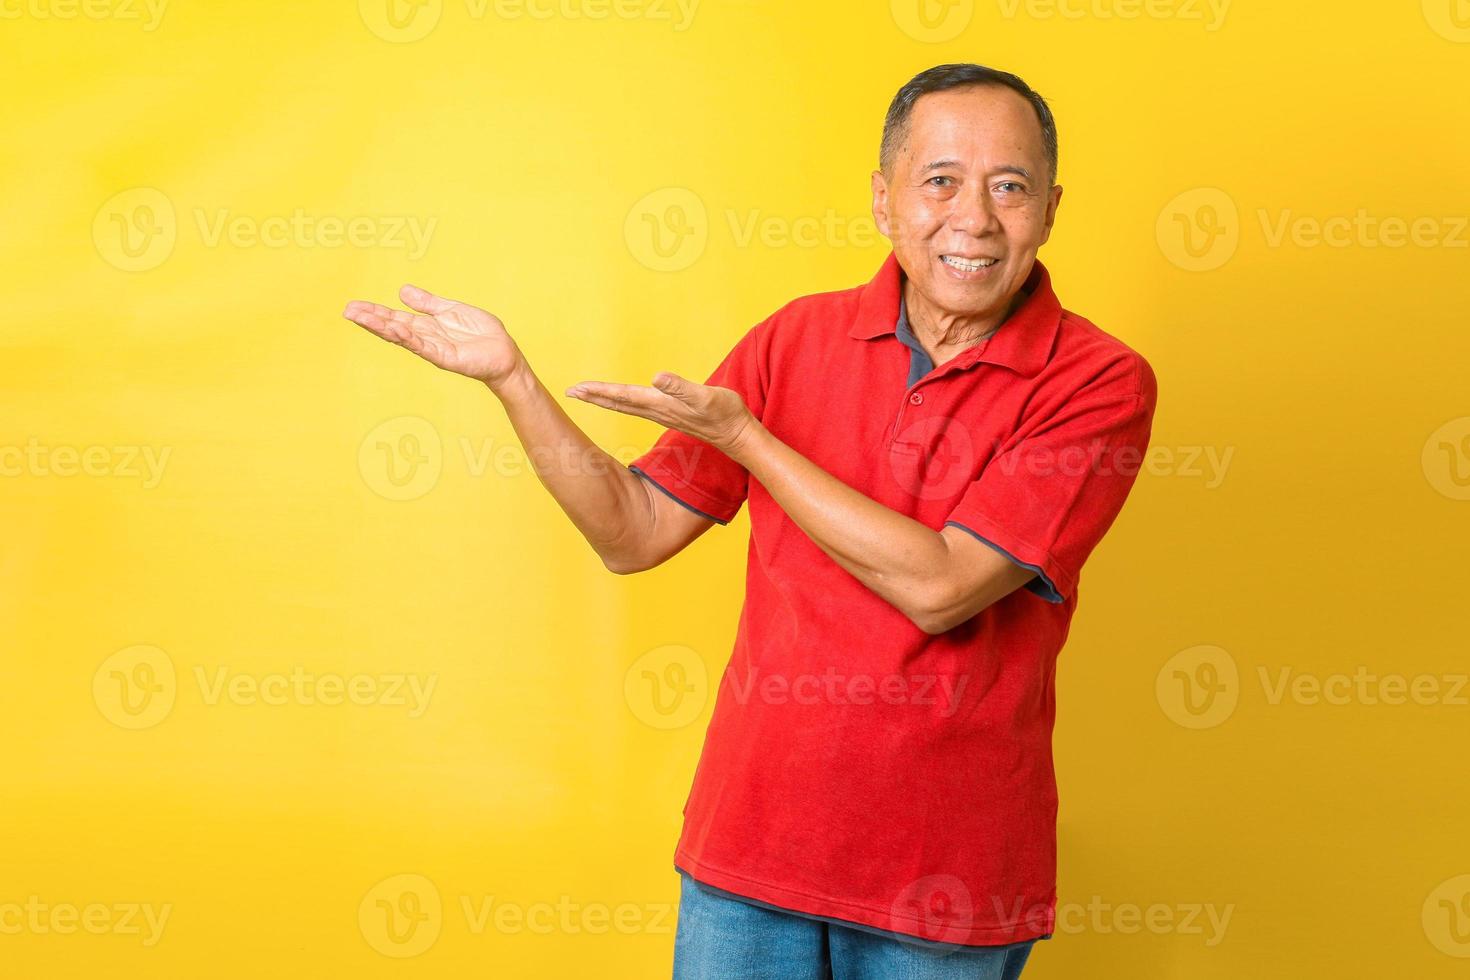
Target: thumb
(670, 382)
(422, 300)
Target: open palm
(448, 334)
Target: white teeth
(967, 265)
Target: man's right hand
(446, 333)
(630, 525)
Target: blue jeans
(720, 938)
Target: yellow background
(543, 774)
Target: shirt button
(916, 399)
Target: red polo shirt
(856, 767)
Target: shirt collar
(1023, 343)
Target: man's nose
(974, 211)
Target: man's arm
(938, 579)
(629, 525)
(1026, 520)
(1005, 531)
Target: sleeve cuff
(670, 494)
(1041, 585)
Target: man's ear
(880, 203)
(1054, 200)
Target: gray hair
(944, 77)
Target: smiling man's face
(967, 202)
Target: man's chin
(965, 299)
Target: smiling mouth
(967, 265)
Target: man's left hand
(716, 415)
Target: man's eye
(933, 180)
(1010, 187)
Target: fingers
(387, 323)
(640, 395)
(628, 399)
(666, 385)
(370, 316)
(423, 300)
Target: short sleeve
(690, 470)
(1047, 500)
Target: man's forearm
(893, 555)
(603, 498)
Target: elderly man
(929, 459)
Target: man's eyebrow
(940, 165)
(1013, 168)
(1005, 168)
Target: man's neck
(944, 335)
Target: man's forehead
(972, 98)
(991, 114)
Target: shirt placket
(922, 365)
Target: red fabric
(855, 766)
